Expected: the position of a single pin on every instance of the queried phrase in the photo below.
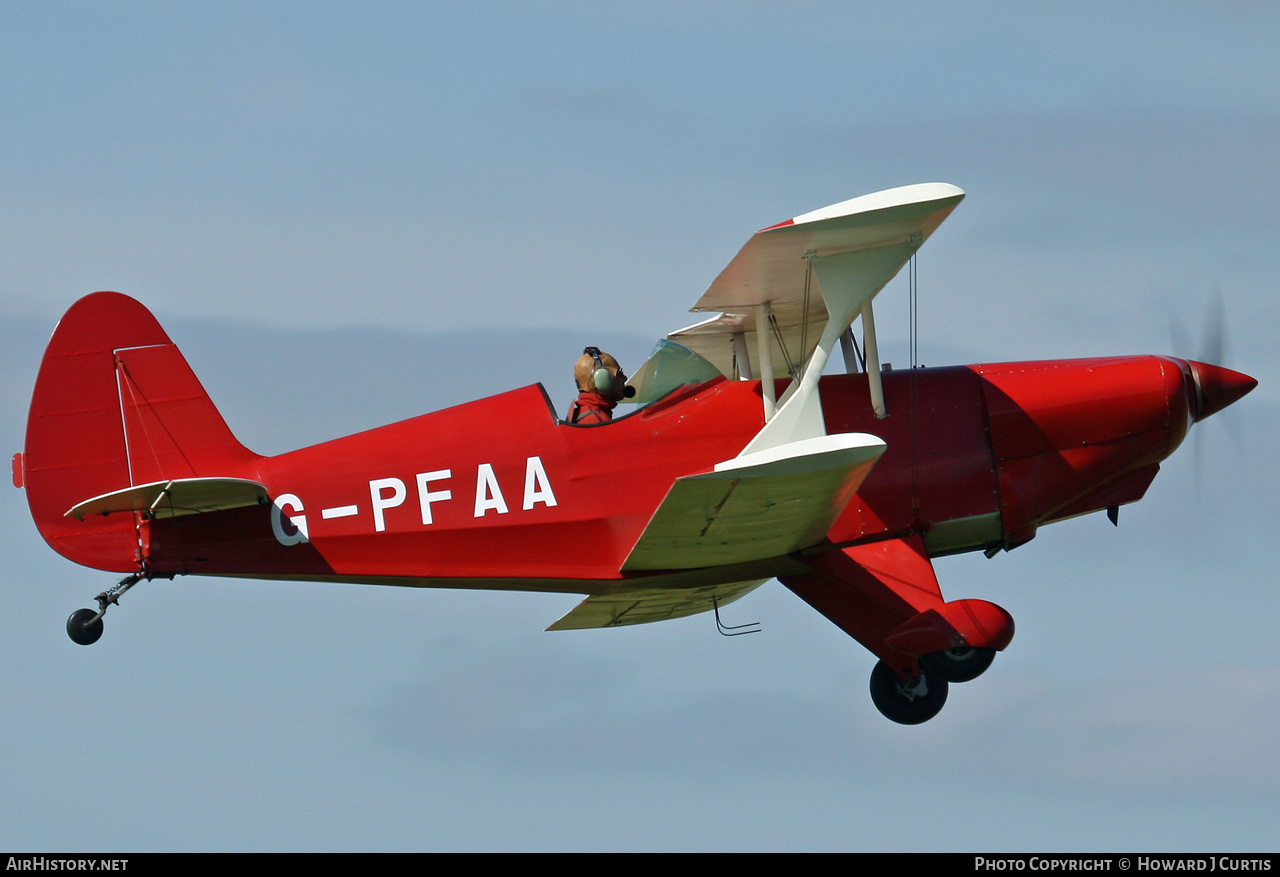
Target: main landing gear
(919, 700)
(907, 703)
(960, 664)
(85, 626)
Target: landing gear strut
(907, 703)
(85, 626)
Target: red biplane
(742, 463)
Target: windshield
(669, 366)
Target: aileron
(643, 606)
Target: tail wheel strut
(85, 625)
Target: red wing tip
(779, 225)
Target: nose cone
(1217, 387)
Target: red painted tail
(115, 405)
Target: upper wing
(772, 269)
(757, 505)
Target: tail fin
(115, 405)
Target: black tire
(901, 704)
(83, 628)
(958, 665)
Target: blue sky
(350, 213)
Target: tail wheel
(84, 627)
(907, 703)
(958, 665)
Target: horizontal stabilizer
(171, 499)
(655, 604)
(758, 505)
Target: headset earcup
(603, 381)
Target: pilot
(601, 386)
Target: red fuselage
(499, 493)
